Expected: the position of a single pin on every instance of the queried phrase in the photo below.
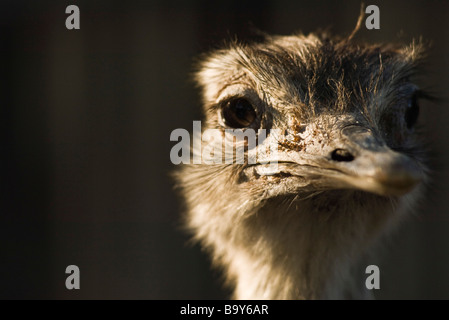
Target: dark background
(85, 120)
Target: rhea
(349, 162)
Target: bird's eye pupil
(412, 112)
(238, 113)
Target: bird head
(336, 115)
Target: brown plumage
(349, 162)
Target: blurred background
(85, 120)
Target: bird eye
(238, 113)
(412, 112)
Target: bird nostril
(342, 155)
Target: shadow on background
(86, 117)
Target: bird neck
(302, 252)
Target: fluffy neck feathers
(305, 249)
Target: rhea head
(345, 115)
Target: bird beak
(366, 163)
